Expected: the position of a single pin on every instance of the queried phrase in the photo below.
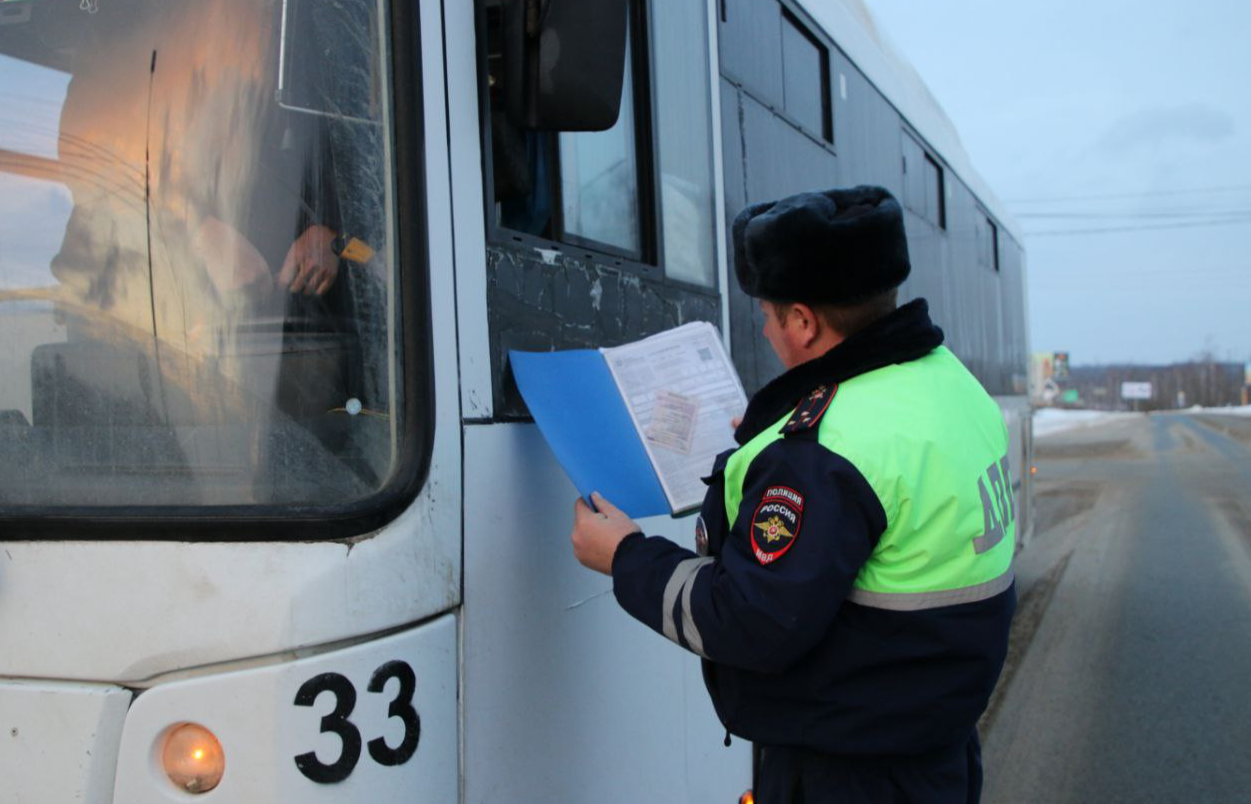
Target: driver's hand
(311, 266)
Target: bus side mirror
(569, 59)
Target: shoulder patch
(775, 525)
(811, 408)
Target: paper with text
(673, 421)
(681, 392)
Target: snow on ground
(1245, 410)
(1048, 421)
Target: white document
(682, 393)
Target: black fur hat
(832, 247)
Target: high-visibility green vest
(933, 446)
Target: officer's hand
(596, 535)
(311, 265)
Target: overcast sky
(1061, 103)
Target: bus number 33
(337, 722)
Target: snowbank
(1245, 410)
(1048, 421)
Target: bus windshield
(197, 281)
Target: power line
(1205, 214)
(1143, 227)
(1227, 276)
(1233, 188)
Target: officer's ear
(807, 324)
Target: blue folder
(580, 412)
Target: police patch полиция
(775, 525)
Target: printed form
(682, 392)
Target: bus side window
(924, 191)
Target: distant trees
(1201, 381)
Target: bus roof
(852, 27)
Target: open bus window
(638, 192)
(583, 188)
(599, 180)
(197, 288)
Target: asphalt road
(1130, 673)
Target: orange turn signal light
(747, 798)
(193, 758)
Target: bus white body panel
(126, 612)
(60, 741)
(262, 730)
(561, 687)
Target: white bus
(274, 523)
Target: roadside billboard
(1135, 390)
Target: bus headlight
(192, 758)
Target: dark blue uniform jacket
(787, 660)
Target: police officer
(853, 589)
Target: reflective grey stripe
(689, 630)
(681, 574)
(916, 601)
